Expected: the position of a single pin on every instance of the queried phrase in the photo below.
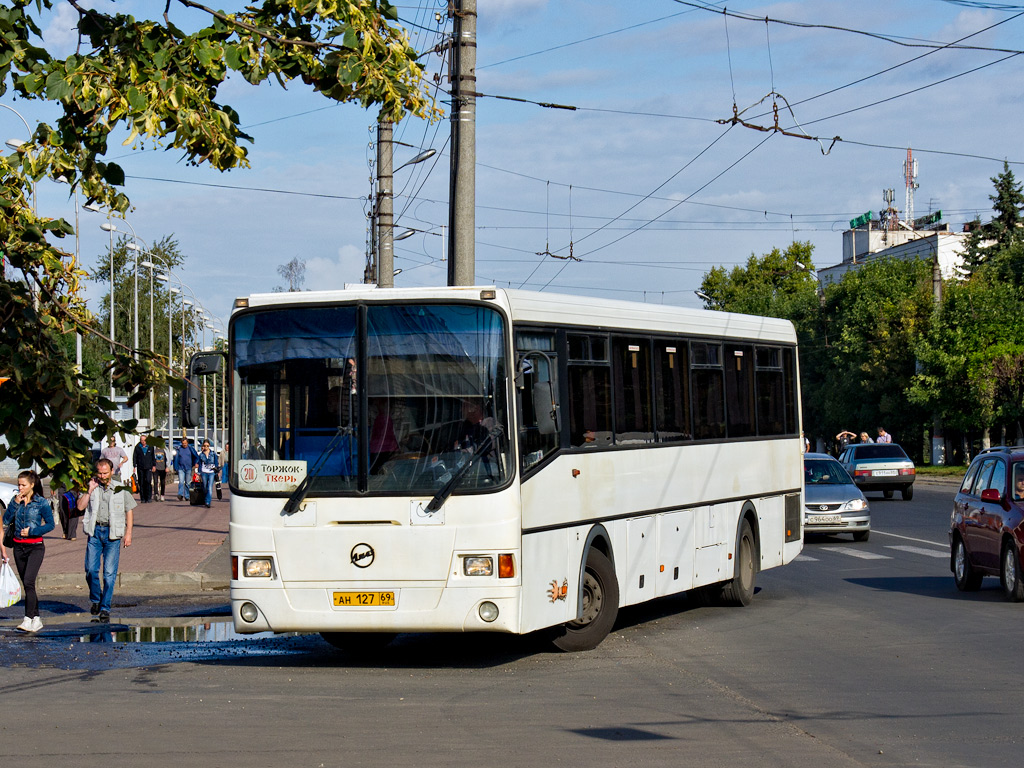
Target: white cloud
(324, 274)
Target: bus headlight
(258, 567)
(477, 566)
(488, 611)
(248, 612)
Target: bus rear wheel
(599, 609)
(740, 589)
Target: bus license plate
(885, 472)
(823, 519)
(363, 599)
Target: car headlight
(855, 505)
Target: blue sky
(648, 188)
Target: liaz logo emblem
(362, 555)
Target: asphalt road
(858, 654)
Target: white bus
(478, 459)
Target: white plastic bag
(10, 587)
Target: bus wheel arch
(598, 598)
(739, 590)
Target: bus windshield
(394, 399)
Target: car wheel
(967, 579)
(1013, 583)
(887, 494)
(739, 590)
(908, 493)
(599, 610)
(861, 535)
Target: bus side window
(538, 406)
(590, 391)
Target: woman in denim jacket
(33, 517)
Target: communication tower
(910, 174)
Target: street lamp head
(92, 207)
(14, 143)
(149, 264)
(404, 235)
(106, 226)
(132, 247)
(424, 155)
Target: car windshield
(378, 398)
(879, 452)
(825, 472)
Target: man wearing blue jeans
(184, 459)
(107, 522)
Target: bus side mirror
(200, 364)
(544, 408)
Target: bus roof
(562, 309)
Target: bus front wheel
(599, 608)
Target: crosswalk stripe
(920, 551)
(862, 554)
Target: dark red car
(986, 532)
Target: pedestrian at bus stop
(184, 459)
(143, 459)
(107, 522)
(208, 470)
(844, 438)
(33, 518)
(159, 472)
(115, 455)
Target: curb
(129, 581)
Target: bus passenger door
(675, 552)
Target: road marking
(806, 559)
(863, 555)
(909, 538)
(919, 551)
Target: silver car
(832, 501)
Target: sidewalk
(175, 548)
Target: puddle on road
(205, 631)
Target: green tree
(778, 284)
(998, 246)
(157, 83)
(873, 318)
(972, 358)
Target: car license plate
(823, 519)
(885, 472)
(363, 599)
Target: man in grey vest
(107, 522)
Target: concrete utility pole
(462, 195)
(385, 206)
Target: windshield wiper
(446, 490)
(299, 494)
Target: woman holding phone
(33, 518)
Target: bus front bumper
(310, 608)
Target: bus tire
(599, 610)
(739, 590)
(359, 642)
